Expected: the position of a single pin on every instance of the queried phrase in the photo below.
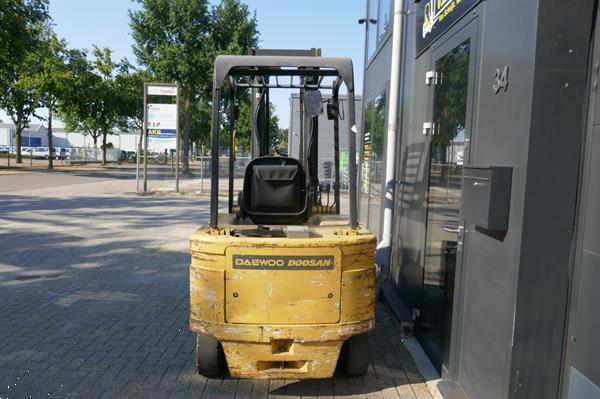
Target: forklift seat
(275, 191)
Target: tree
(276, 135)
(20, 99)
(282, 139)
(55, 80)
(21, 24)
(103, 101)
(200, 126)
(178, 40)
(130, 84)
(243, 126)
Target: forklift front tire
(210, 359)
(355, 355)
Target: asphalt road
(94, 298)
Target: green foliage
(243, 126)
(129, 83)
(19, 98)
(200, 126)
(178, 40)
(171, 40)
(109, 95)
(233, 30)
(276, 135)
(283, 139)
(21, 22)
(21, 25)
(450, 100)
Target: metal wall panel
(581, 369)
(500, 138)
(591, 234)
(586, 350)
(562, 45)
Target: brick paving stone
(260, 389)
(94, 293)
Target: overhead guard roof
(228, 64)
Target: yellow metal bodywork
(276, 322)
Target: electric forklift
(282, 286)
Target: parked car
(4, 149)
(131, 156)
(40, 152)
(59, 153)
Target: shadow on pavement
(95, 294)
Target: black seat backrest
(275, 191)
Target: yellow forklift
(282, 286)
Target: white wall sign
(161, 90)
(161, 122)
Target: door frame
(468, 27)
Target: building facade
(491, 187)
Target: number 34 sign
(500, 79)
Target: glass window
(372, 28)
(365, 169)
(377, 165)
(383, 21)
(380, 12)
(443, 201)
(372, 165)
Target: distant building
(37, 136)
(326, 139)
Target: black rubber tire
(210, 359)
(355, 356)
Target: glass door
(449, 139)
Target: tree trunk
(187, 122)
(50, 149)
(18, 131)
(104, 134)
(95, 137)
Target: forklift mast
(264, 69)
(260, 100)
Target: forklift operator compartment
(282, 285)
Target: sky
(331, 25)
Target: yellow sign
(436, 11)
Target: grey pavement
(94, 299)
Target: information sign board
(159, 90)
(161, 122)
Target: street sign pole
(30, 152)
(202, 169)
(145, 138)
(137, 164)
(177, 141)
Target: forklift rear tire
(210, 359)
(355, 355)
